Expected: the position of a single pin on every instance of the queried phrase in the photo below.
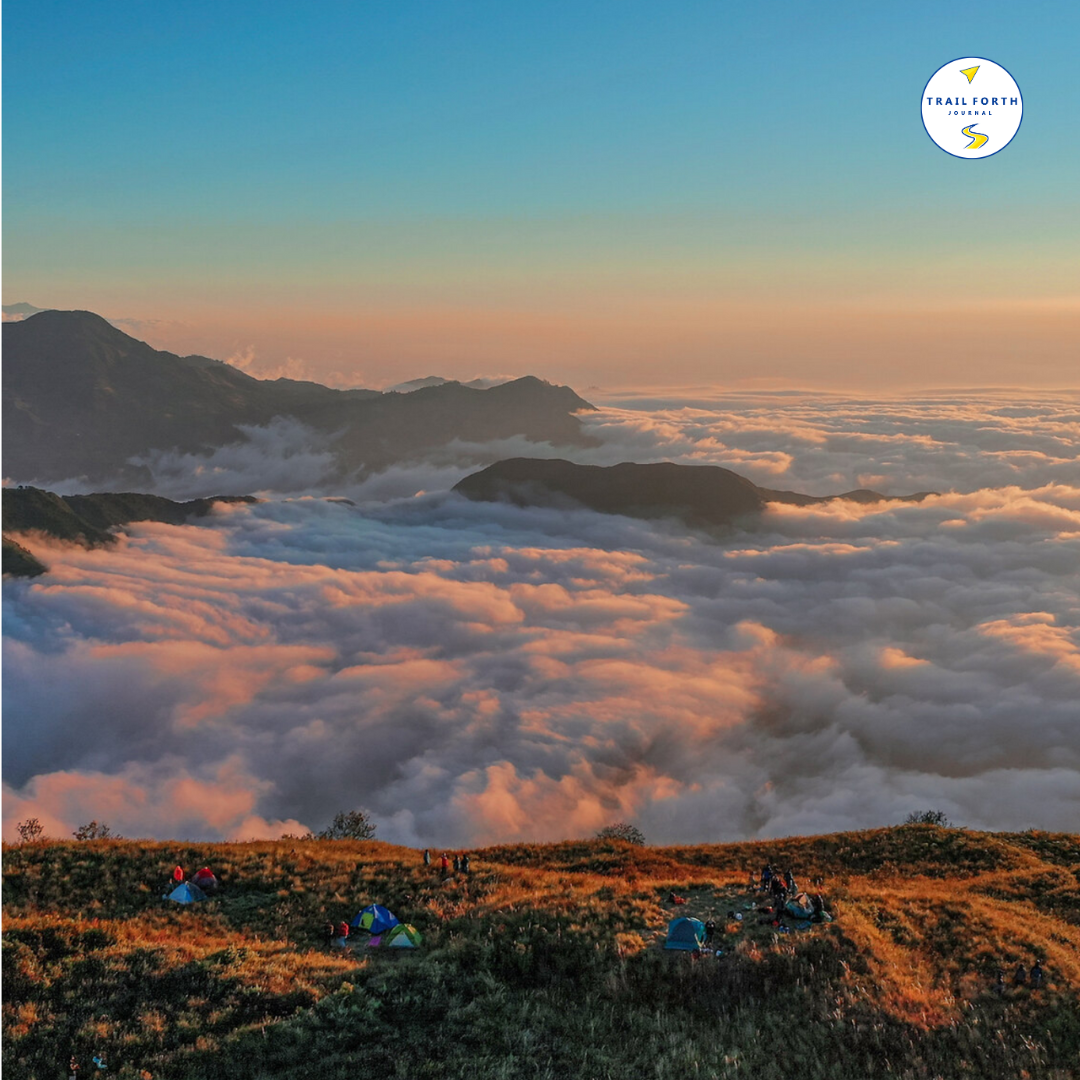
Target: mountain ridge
(700, 495)
(82, 399)
(86, 519)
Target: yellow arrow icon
(977, 138)
(970, 72)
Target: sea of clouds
(476, 672)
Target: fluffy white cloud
(473, 672)
(822, 444)
(817, 444)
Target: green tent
(402, 936)
(685, 933)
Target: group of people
(74, 1066)
(203, 878)
(1021, 977)
(337, 934)
(778, 886)
(772, 881)
(461, 863)
(781, 888)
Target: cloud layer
(815, 443)
(476, 672)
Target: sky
(602, 195)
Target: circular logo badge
(972, 107)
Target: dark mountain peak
(69, 317)
(53, 322)
(83, 336)
(529, 387)
(84, 399)
(700, 495)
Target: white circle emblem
(972, 107)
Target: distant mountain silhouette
(700, 495)
(21, 310)
(86, 519)
(418, 384)
(81, 398)
(481, 383)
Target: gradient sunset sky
(610, 193)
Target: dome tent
(206, 881)
(186, 893)
(800, 907)
(402, 936)
(685, 933)
(375, 919)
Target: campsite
(544, 960)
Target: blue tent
(186, 893)
(685, 934)
(375, 919)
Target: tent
(186, 893)
(800, 907)
(206, 881)
(375, 919)
(402, 936)
(685, 934)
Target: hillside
(19, 562)
(544, 961)
(86, 519)
(82, 398)
(700, 495)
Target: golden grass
(543, 943)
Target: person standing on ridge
(427, 857)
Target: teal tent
(685, 933)
(186, 893)
(800, 907)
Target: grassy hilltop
(544, 962)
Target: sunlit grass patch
(546, 960)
